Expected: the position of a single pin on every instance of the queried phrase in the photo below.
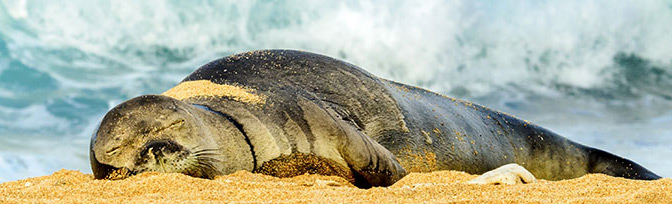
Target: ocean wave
(466, 46)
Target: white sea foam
(31, 118)
(42, 158)
(489, 42)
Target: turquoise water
(599, 73)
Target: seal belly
(298, 163)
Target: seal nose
(160, 148)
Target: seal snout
(162, 156)
(160, 148)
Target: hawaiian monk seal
(286, 113)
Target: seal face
(285, 113)
(158, 133)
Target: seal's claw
(507, 174)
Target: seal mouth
(119, 173)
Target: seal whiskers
(202, 163)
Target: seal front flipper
(507, 174)
(371, 163)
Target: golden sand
(67, 186)
(205, 88)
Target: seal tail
(604, 162)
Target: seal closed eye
(286, 113)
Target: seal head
(162, 134)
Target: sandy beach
(67, 186)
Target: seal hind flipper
(600, 161)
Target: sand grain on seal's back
(436, 187)
(206, 88)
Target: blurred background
(597, 72)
